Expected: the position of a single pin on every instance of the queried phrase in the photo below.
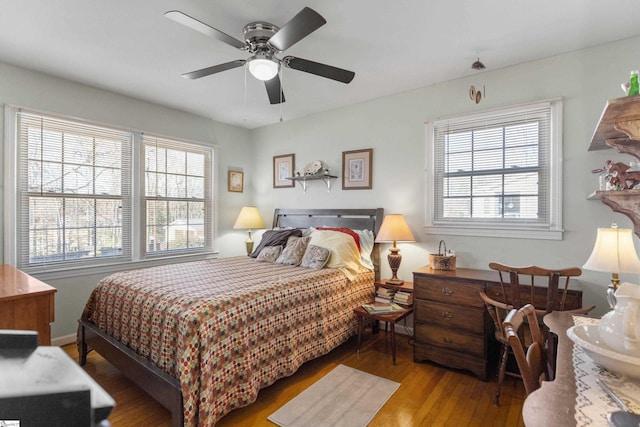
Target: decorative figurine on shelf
(620, 175)
(604, 183)
(634, 89)
(631, 87)
(313, 168)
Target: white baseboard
(64, 340)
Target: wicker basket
(441, 261)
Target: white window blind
(177, 195)
(496, 170)
(82, 195)
(73, 191)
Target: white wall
(394, 127)
(38, 91)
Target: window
(177, 191)
(496, 173)
(76, 193)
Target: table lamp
(249, 219)
(394, 229)
(614, 252)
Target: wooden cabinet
(451, 325)
(26, 303)
(619, 128)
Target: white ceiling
(129, 47)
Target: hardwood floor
(429, 395)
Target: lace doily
(592, 403)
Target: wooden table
(26, 303)
(553, 404)
(390, 318)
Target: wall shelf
(619, 128)
(303, 180)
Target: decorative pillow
(275, 238)
(344, 252)
(348, 231)
(269, 254)
(367, 240)
(306, 232)
(294, 251)
(315, 257)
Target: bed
(204, 337)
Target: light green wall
(38, 91)
(394, 127)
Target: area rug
(343, 397)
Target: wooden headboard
(356, 219)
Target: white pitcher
(620, 328)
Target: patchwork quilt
(228, 327)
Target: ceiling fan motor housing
(257, 35)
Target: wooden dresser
(26, 303)
(451, 324)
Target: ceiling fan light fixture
(263, 67)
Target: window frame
(551, 230)
(134, 255)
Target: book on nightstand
(404, 298)
(382, 308)
(384, 295)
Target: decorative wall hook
(476, 95)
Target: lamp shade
(249, 218)
(614, 252)
(394, 228)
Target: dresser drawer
(450, 339)
(449, 291)
(449, 316)
(453, 359)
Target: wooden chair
(525, 279)
(498, 311)
(530, 359)
(520, 289)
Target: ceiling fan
(264, 41)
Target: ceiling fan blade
(274, 90)
(300, 26)
(214, 69)
(322, 70)
(194, 24)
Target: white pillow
(367, 240)
(344, 251)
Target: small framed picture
(235, 181)
(282, 170)
(357, 169)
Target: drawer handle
(447, 291)
(447, 315)
(447, 340)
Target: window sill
(495, 232)
(51, 272)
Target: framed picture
(283, 169)
(235, 181)
(357, 169)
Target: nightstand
(390, 318)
